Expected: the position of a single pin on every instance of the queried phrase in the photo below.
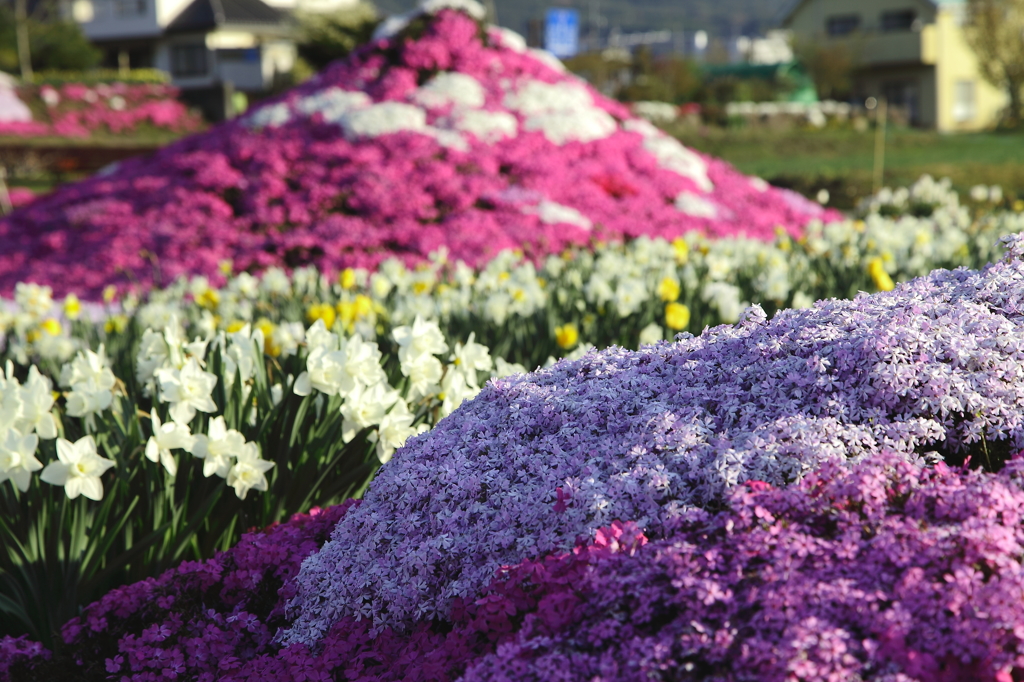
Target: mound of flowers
(589, 520)
(439, 132)
(886, 570)
(79, 110)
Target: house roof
(204, 15)
(791, 6)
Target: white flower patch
(691, 204)
(548, 59)
(448, 138)
(537, 97)
(563, 126)
(394, 24)
(759, 184)
(508, 38)
(488, 126)
(270, 116)
(673, 156)
(450, 88)
(641, 127)
(333, 103)
(562, 112)
(554, 213)
(384, 118)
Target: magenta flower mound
(442, 134)
(935, 367)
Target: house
(205, 45)
(912, 52)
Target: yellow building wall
(945, 46)
(939, 49)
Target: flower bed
(493, 146)
(77, 110)
(465, 558)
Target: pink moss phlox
(304, 188)
(81, 110)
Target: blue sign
(562, 32)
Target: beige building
(912, 52)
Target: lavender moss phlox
(535, 461)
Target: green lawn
(842, 160)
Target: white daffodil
(394, 430)
(217, 448)
(86, 405)
(78, 468)
(165, 438)
(422, 338)
(325, 372)
(455, 390)
(36, 402)
(89, 372)
(18, 458)
(249, 471)
(365, 407)
(153, 355)
(244, 352)
(317, 336)
(424, 375)
(187, 390)
(34, 299)
(471, 358)
(504, 368)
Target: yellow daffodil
(209, 299)
(115, 324)
(267, 327)
(321, 311)
(347, 278)
(881, 278)
(668, 289)
(235, 326)
(226, 266)
(677, 316)
(681, 249)
(109, 293)
(51, 326)
(72, 307)
(567, 336)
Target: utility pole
(21, 33)
(880, 121)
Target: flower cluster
(628, 294)
(497, 149)
(198, 621)
(79, 110)
(934, 367)
(885, 570)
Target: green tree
(995, 30)
(55, 43)
(830, 66)
(325, 37)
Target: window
(963, 101)
(129, 8)
(188, 60)
(248, 55)
(842, 25)
(900, 20)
